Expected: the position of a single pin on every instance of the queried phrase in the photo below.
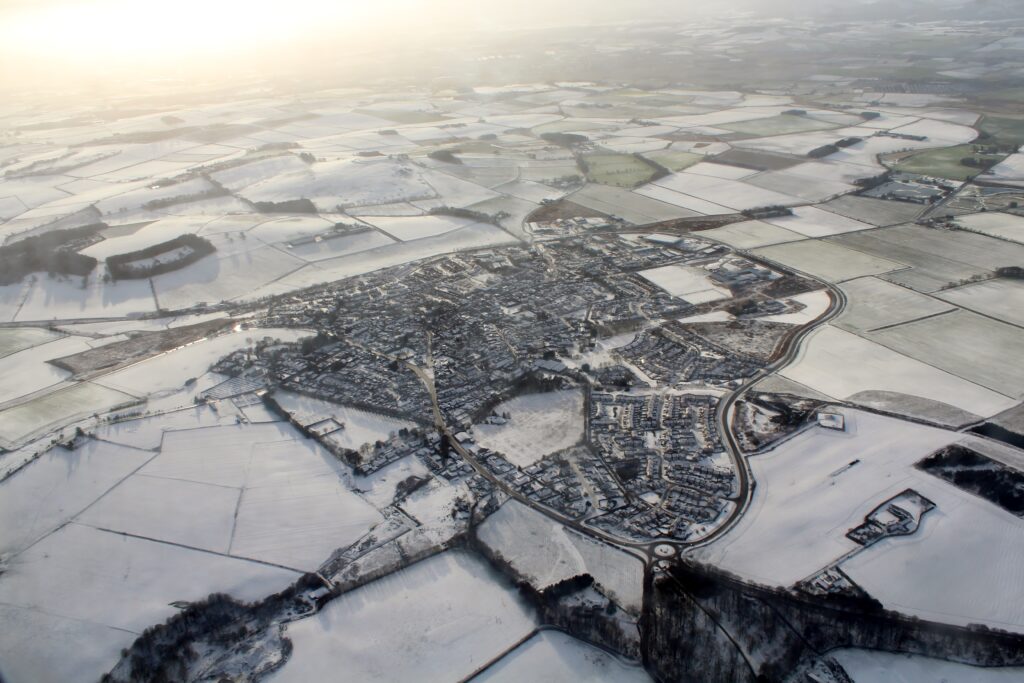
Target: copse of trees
(125, 266)
(54, 252)
(445, 155)
(290, 206)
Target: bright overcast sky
(97, 39)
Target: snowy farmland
(170, 370)
(360, 426)
(456, 615)
(1001, 298)
(538, 425)
(555, 657)
(121, 586)
(546, 552)
(808, 498)
(79, 400)
(1002, 225)
(874, 666)
(843, 365)
(828, 261)
(290, 503)
(693, 285)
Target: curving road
(724, 417)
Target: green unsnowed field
(783, 124)
(1004, 129)
(946, 163)
(619, 170)
(674, 161)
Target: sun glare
(97, 31)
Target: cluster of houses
(479, 327)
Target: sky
(53, 42)
(42, 40)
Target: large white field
(540, 424)
(406, 228)
(546, 552)
(68, 298)
(342, 184)
(811, 221)
(473, 236)
(59, 485)
(333, 247)
(292, 502)
(27, 371)
(805, 502)
(828, 261)
(175, 511)
(872, 303)
(293, 517)
(875, 666)
(125, 582)
(1001, 298)
(1003, 225)
(14, 339)
(554, 657)
(842, 365)
(439, 620)
(170, 370)
(360, 426)
(223, 277)
(750, 234)
(27, 653)
(58, 407)
(689, 283)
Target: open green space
(949, 162)
(1004, 129)
(674, 161)
(619, 170)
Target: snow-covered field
(223, 277)
(811, 221)
(59, 485)
(58, 407)
(438, 620)
(874, 666)
(965, 344)
(292, 504)
(15, 339)
(539, 424)
(806, 501)
(1000, 298)
(751, 234)
(842, 365)
(554, 657)
(170, 370)
(361, 427)
(546, 552)
(27, 371)
(341, 245)
(872, 303)
(960, 567)
(75, 297)
(689, 283)
(1003, 225)
(405, 228)
(343, 184)
(473, 236)
(106, 588)
(828, 261)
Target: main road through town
(724, 417)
